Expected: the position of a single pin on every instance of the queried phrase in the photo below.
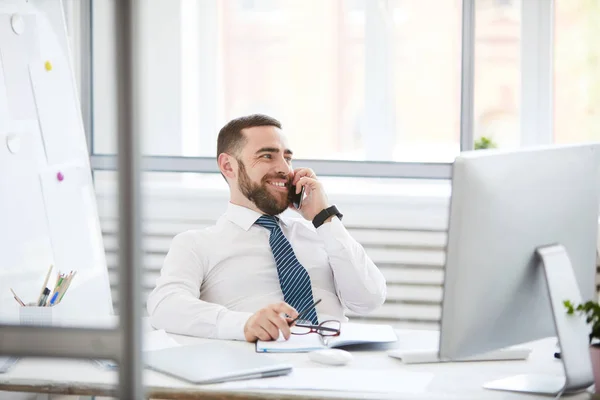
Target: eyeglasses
(325, 328)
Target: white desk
(451, 380)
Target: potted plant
(591, 310)
(484, 143)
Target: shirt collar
(243, 216)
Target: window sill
(359, 189)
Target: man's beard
(259, 194)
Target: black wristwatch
(320, 218)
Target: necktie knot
(267, 221)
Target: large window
(497, 72)
(577, 71)
(350, 79)
(359, 80)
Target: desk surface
(451, 380)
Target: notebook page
(296, 343)
(352, 333)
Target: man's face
(264, 169)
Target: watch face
(334, 211)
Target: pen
(69, 279)
(45, 285)
(59, 280)
(63, 287)
(53, 298)
(44, 298)
(17, 298)
(301, 313)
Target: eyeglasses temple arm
(318, 327)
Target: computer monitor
(522, 239)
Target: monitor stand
(571, 330)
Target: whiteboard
(48, 211)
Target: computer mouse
(330, 356)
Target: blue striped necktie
(293, 278)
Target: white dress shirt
(214, 279)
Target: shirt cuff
(333, 233)
(230, 324)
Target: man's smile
(278, 185)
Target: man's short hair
(231, 140)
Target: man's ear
(227, 165)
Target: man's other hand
(266, 323)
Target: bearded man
(248, 276)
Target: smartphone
(296, 199)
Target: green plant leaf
(569, 306)
(484, 143)
(591, 311)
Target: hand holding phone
(312, 198)
(296, 198)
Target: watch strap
(321, 217)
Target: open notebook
(350, 334)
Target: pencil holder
(34, 315)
